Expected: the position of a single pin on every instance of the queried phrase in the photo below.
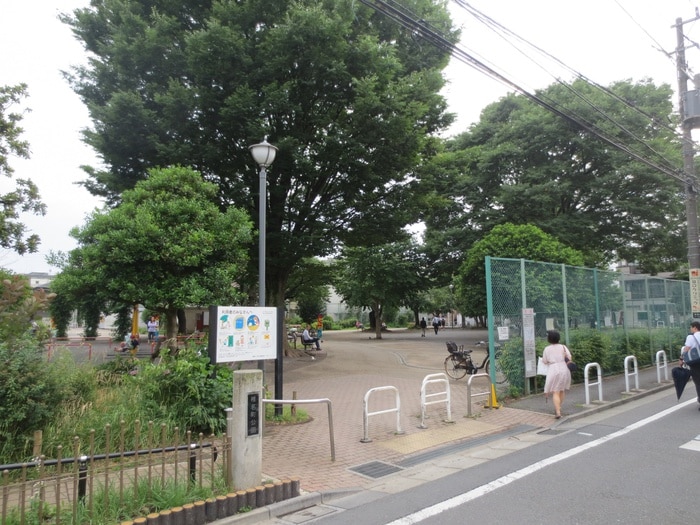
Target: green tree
(505, 241)
(351, 100)
(379, 277)
(525, 165)
(167, 246)
(25, 197)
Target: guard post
(246, 436)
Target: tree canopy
(167, 246)
(350, 99)
(380, 277)
(25, 197)
(506, 241)
(525, 165)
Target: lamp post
(264, 154)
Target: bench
(307, 344)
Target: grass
(288, 416)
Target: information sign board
(242, 333)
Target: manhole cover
(375, 469)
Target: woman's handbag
(541, 367)
(573, 367)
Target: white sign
(529, 342)
(242, 333)
(503, 333)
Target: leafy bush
(186, 390)
(29, 393)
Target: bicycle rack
(366, 413)
(633, 359)
(661, 354)
(469, 392)
(435, 378)
(587, 383)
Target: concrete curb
(605, 405)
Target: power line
(421, 28)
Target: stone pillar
(247, 421)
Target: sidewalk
(351, 364)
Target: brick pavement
(351, 364)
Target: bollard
(296, 486)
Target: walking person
(423, 326)
(558, 375)
(436, 324)
(693, 341)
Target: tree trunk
(377, 309)
(181, 321)
(171, 328)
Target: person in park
(307, 338)
(423, 326)
(693, 341)
(152, 327)
(558, 375)
(436, 323)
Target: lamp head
(263, 153)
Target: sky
(604, 40)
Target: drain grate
(375, 469)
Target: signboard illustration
(242, 333)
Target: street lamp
(264, 154)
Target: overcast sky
(605, 40)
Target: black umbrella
(680, 379)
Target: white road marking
(456, 501)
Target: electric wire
(421, 28)
(508, 35)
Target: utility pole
(690, 118)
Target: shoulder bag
(569, 363)
(692, 356)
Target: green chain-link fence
(603, 316)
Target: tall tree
(25, 197)
(351, 100)
(167, 246)
(525, 165)
(507, 241)
(379, 277)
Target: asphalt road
(632, 465)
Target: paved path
(353, 362)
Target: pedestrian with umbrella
(691, 342)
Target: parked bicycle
(459, 363)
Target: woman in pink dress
(558, 375)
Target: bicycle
(459, 363)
